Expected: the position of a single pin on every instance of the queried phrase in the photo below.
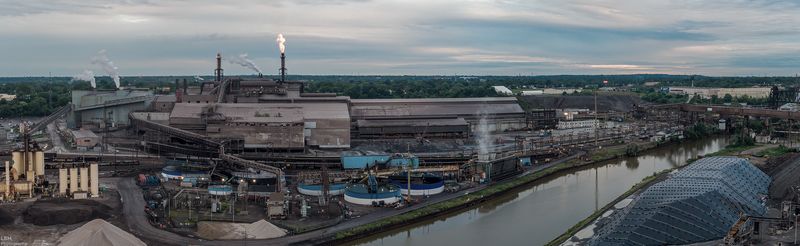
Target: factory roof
(434, 107)
(188, 110)
(83, 133)
(436, 100)
(165, 98)
(697, 204)
(413, 123)
(265, 112)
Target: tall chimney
(283, 67)
(184, 87)
(178, 94)
(218, 71)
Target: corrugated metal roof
(411, 123)
(698, 203)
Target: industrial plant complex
(238, 158)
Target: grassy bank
(729, 150)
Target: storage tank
(84, 178)
(62, 181)
(29, 162)
(421, 185)
(335, 189)
(23, 187)
(372, 193)
(220, 190)
(94, 180)
(73, 180)
(18, 165)
(39, 163)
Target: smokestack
(282, 46)
(178, 94)
(184, 86)
(218, 71)
(283, 67)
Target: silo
(62, 181)
(73, 180)
(94, 185)
(84, 183)
(39, 163)
(28, 162)
(18, 165)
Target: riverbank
(480, 196)
(646, 182)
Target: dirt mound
(619, 103)
(5, 217)
(65, 211)
(223, 230)
(99, 232)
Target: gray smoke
(107, 65)
(87, 76)
(484, 136)
(245, 62)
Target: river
(546, 208)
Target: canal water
(543, 210)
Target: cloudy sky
(414, 37)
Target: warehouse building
(501, 113)
(699, 203)
(101, 109)
(273, 125)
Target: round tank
(316, 189)
(220, 190)
(39, 158)
(18, 165)
(423, 185)
(361, 195)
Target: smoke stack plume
(281, 42)
(245, 62)
(107, 65)
(87, 76)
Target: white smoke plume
(245, 62)
(198, 78)
(484, 137)
(87, 76)
(281, 42)
(107, 65)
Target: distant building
(577, 124)
(7, 97)
(85, 138)
(552, 91)
(542, 119)
(101, 109)
(708, 92)
(532, 92)
(793, 107)
(502, 90)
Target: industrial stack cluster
(22, 174)
(79, 182)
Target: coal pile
(5, 217)
(618, 103)
(64, 211)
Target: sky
(403, 37)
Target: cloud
(715, 37)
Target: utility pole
(596, 122)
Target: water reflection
(546, 208)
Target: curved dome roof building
(696, 204)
